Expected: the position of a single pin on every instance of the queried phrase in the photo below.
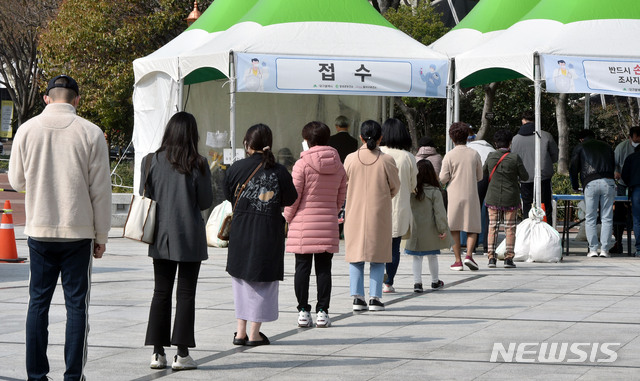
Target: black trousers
(526, 191)
(159, 326)
(323, 280)
(619, 215)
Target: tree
(424, 25)
(96, 41)
(20, 25)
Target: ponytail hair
(260, 138)
(370, 132)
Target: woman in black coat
(255, 258)
(179, 180)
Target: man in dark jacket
(593, 160)
(342, 141)
(631, 177)
(523, 144)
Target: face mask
(305, 145)
(634, 144)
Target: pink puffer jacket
(321, 182)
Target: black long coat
(180, 230)
(256, 240)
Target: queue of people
(390, 195)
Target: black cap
(70, 83)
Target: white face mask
(305, 145)
(634, 144)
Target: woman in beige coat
(461, 171)
(372, 181)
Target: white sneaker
(158, 361)
(322, 320)
(387, 288)
(304, 319)
(605, 254)
(183, 363)
(592, 254)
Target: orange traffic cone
(545, 212)
(8, 251)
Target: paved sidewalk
(443, 335)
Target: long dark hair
(180, 144)
(260, 138)
(395, 135)
(426, 176)
(371, 132)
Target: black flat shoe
(264, 341)
(238, 341)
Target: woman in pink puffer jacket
(321, 182)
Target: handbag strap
(241, 189)
(496, 166)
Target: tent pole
(180, 106)
(392, 111)
(384, 109)
(449, 116)
(538, 96)
(587, 110)
(232, 106)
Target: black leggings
(323, 280)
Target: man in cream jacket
(61, 160)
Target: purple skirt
(255, 301)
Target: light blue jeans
(356, 277)
(600, 192)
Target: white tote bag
(141, 220)
(215, 221)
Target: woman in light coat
(461, 171)
(372, 178)
(396, 142)
(321, 183)
(179, 181)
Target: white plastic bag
(546, 244)
(501, 249)
(215, 221)
(523, 240)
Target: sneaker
(616, 249)
(322, 319)
(592, 254)
(456, 266)
(437, 285)
(304, 319)
(605, 254)
(417, 287)
(359, 304)
(386, 288)
(375, 305)
(158, 361)
(508, 263)
(471, 264)
(492, 263)
(183, 363)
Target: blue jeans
(600, 192)
(635, 211)
(48, 260)
(392, 267)
(356, 278)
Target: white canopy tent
(341, 52)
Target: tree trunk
(634, 115)
(563, 134)
(489, 97)
(410, 115)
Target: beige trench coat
(372, 181)
(400, 205)
(461, 171)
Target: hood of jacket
(425, 152)
(322, 159)
(527, 129)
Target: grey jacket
(524, 145)
(180, 230)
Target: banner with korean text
(6, 115)
(567, 74)
(332, 75)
